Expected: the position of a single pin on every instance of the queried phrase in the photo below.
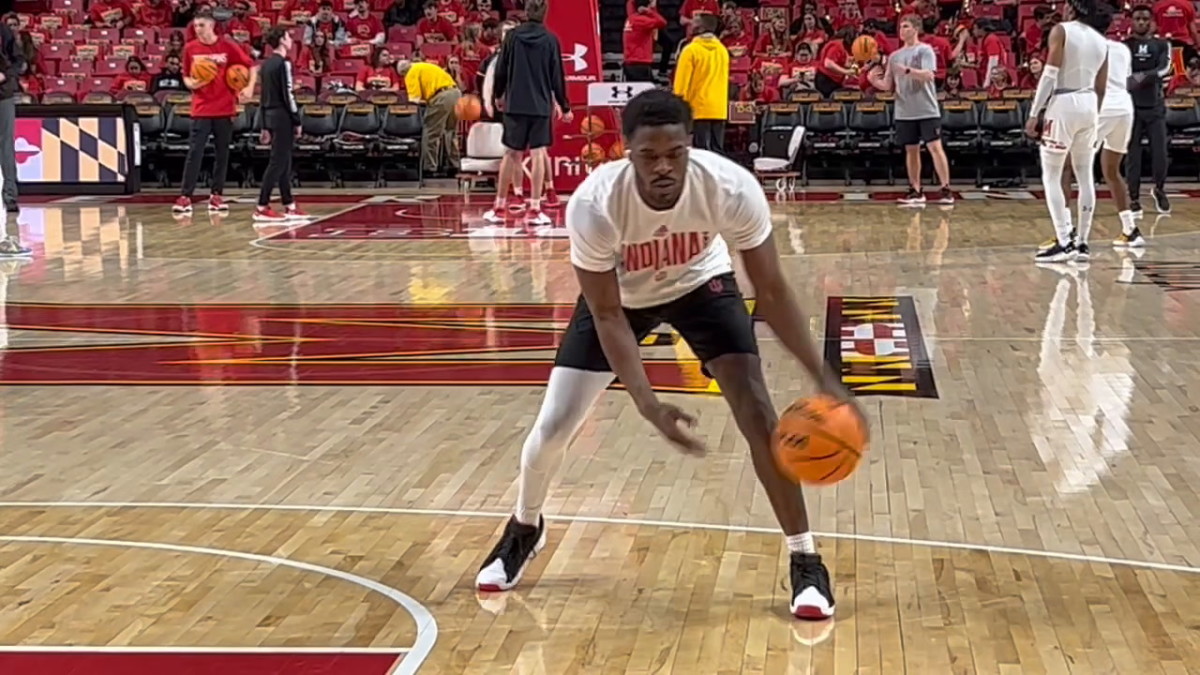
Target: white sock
(1128, 223)
(1087, 192)
(1056, 201)
(570, 393)
(800, 543)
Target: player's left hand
(1031, 127)
(837, 391)
(245, 95)
(568, 116)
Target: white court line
(426, 625)
(902, 541)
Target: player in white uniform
(1070, 93)
(1114, 132)
(650, 239)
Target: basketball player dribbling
(1070, 93)
(649, 242)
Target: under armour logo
(622, 92)
(577, 59)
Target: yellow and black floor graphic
(876, 344)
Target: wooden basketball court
(286, 451)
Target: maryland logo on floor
(876, 344)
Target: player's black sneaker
(945, 196)
(1132, 240)
(1135, 207)
(1051, 242)
(519, 544)
(913, 198)
(1056, 253)
(1161, 203)
(812, 593)
(1083, 253)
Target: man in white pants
(1070, 93)
(1115, 130)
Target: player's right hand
(675, 425)
(264, 137)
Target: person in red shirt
(1036, 30)
(470, 53)
(802, 71)
(737, 41)
(434, 28)
(848, 15)
(32, 82)
(111, 14)
(363, 26)
(954, 83)
(772, 67)
(693, 7)
(490, 35)
(317, 57)
(135, 78)
(452, 11)
(923, 8)
(1031, 74)
(812, 32)
(1176, 21)
(214, 105)
(154, 14)
(942, 49)
(245, 29)
(834, 63)
(380, 75)
(298, 11)
(1001, 79)
(757, 91)
(641, 29)
(478, 11)
(992, 53)
(775, 40)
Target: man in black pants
(281, 128)
(1151, 63)
(12, 66)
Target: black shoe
(1135, 206)
(1083, 253)
(913, 198)
(1132, 240)
(11, 248)
(12, 207)
(812, 593)
(1052, 242)
(945, 196)
(1056, 253)
(1161, 204)
(519, 544)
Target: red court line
(183, 663)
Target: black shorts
(526, 132)
(915, 132)
(712, 319)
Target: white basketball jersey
(1120, 67)
(1083, 54)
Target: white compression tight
(570, 393)
(1082, 156)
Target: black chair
(961, 134)
(318, 126)
(400, 138)
(1003, 141)
(870, 139)
(823, 150)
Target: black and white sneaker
(11, 248)
(1161, 203)
(1052, 242)
(912, 198)
(1135, 207)
(1056, 253)
(945, 196)
(1132, 240)
(519, 544)
(812, 593)
(1083, 253)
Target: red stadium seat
(109, 67)
(380, 6)
(970, 79)
(437, 51)
(987, 11)
(123, 51)
(89, 51)
(78, 70)
(305, 82)
(57, 51)
(74, 34)
(140, 36)
(400, 49)
(104, 35)
(358, 50)
(740, 64)
(402, 34)
(69, 8)
(156, 51)
(62, 84)
(96, 84)
(351, 66)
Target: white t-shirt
(1120, 67)
(663, 255)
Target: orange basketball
(864, 49)
(591, 125)
(592, 154)
(237, 77)
(468, 108)
(819, 440)
(617, 151)
(204, 70)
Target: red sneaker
(537, 217)
(550, 200)
(296, 213)
(216, 203)
(514, 204)
(266, 214)
(182, 205)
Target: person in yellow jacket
(427, 83)
(702, 79)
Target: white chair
(780, 169)
(484, 151)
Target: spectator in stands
(135, 78)
(434, 28)
(992, 54)
(736, 39)
(402, 13)
(1001, 79)
(170, 78)
(926, 9)
(299, 11)
(13, 63)
(476, 11)
(693, 8)
(757, 91)
(175, 42)
(848, 15)
(772, 67)
(363, 26)
(428, 84)
(489, 36)
(32, 82)
(154, 14)
(702, 79)
(834, 63)
(379, 75)
(802, 72)
(729, 10)
(317, 57)
(641, 28)
(775, 40)
(110, 14)
(1031, 73)
(182, 14)
(953, 85)
(941, 49)
(326, 22)
(452, 11)
(1176, 22)
(470, 53)
(245, 29)
(1034, 36)
(812, 32)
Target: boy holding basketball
(206, 64)
(648, 243)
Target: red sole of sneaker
(810, 614)
(490, 588)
